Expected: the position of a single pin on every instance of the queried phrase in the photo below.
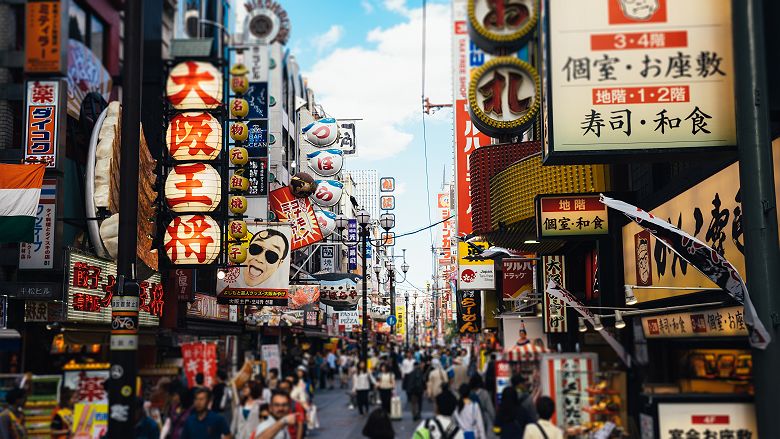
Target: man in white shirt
(276, 426)
(407, 365)
(543, 428)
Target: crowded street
(389, 219)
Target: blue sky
(363, 60)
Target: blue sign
(257, 97)
(257, 142)
(352, 234)
(392, 320)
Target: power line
(425, 138)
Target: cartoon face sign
(326, 162)
(266, 252)
(321, 133)
(327, 221)
(328, 193)
(639, 10)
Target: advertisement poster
(469, 312)
(302, 295)
(43, 31)
(348, 320)
(273, 316)
(90, 413)
(42, 122)
(518, 277)
(263, 279)
(90, 421)
(628, 75)
(270, 354)
(39, 255)
(299, 213)
(199, 358)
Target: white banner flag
(708, 261)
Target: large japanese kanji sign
(626, 76)
(199, 357)
(299, 213)
(44, 108)
(469, 312)
(90, 286)
(194, 135)
(566, 216)
(192, 240)
(194, 85)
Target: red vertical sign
(467, 139)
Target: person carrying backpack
(543, 428)
(443, 425)
(512, 416)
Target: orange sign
(467, 139)
(387, 202)
(387, 184)
(43, 41)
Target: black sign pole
(762, 256)
(124, 303)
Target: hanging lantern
(239, 156)
(239, 131)
(239, 107)
(192, 240)
(239, 84)
(328, 193)
(327, 221)
(302, 185)
(194, 135)
(238, 182)
(326, 162)
(194, 187)
(238, 204)
(238, 69)
(237, 253)
(194, 85)
(237, 229)
(323, 132)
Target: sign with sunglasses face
(263, 279)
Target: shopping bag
(396, 411)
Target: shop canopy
(527, 352)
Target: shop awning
(527, 352)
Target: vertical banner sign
(554, 269)
(467, 137)
(199, 357)
(469, 312)
(42, 114)
(327, 258)
(44, 52)
(182, 282)
(39, 255)
(400, 324)
(649, 76)
(518, 277)
(352, 249)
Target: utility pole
(364, 333)
(762, 256)
(124, 302)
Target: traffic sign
(391, 320)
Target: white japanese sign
(638, 75)
(39, 255)
(724, 420)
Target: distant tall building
(367, 190)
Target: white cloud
(328, 39)
(367, 6)
(382, 84)
(396, 6)
(400, 188)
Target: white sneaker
(351, 407)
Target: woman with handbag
(386, 386)
(362, 383)
(468, 415)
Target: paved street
(338, 421)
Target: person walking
(179, 410)
(482, 396)
(362, 382)
(512, 417)
(460, 372)
(414, 385)
(437, 380)
(469, 415)
(246, 414)
(543, 428)
(378, 425)
(202, 422)
(277, 425)
(386, 386)
(407, 365)
(443, 425)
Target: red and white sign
(39, 255)
(193, 187)
(194, 85)
(554, 268)
(299, 213)
(41, 127)
(566, 378)
(199, 358)
(192, 240)
(639, 75)
(387, 184)
(735, 420)
(518, 277)
(328, 193)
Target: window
(87, 28)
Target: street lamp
(364, 221)
(342, 222)
(406, 319)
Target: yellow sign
(712, 212)
(89, 420)
(400, 324)
(43, 39)
(468, 250)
